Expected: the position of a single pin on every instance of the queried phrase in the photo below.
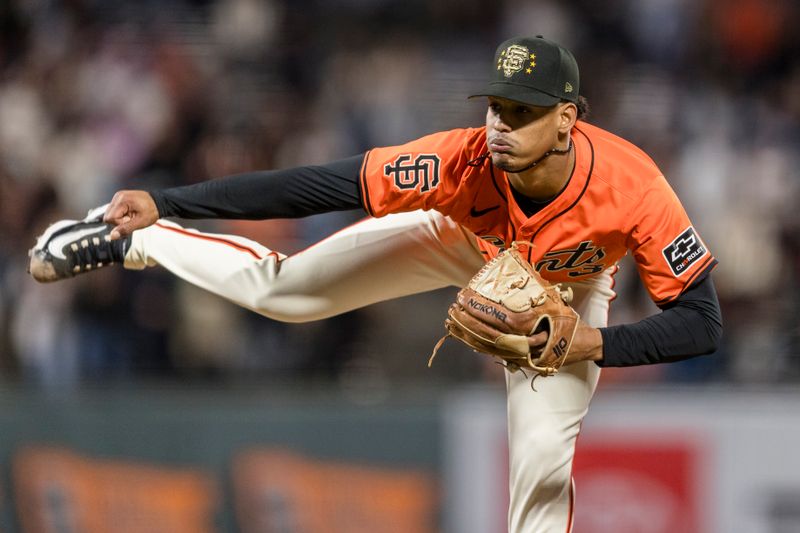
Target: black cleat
(71, 247)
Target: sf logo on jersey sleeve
(408, 172)
(685, 250)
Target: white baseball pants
(390, 257)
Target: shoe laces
(95, 251)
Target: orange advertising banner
(57, 490)
(283, 491)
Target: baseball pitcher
(529, 214)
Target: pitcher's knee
(292, 308)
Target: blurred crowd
(98, 95)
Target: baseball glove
(506, 302)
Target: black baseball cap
(534, 71)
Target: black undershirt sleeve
(289, 193)
(689, 326)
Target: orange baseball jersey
(616, 200)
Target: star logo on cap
(531, 65)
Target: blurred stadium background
(133, 402)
